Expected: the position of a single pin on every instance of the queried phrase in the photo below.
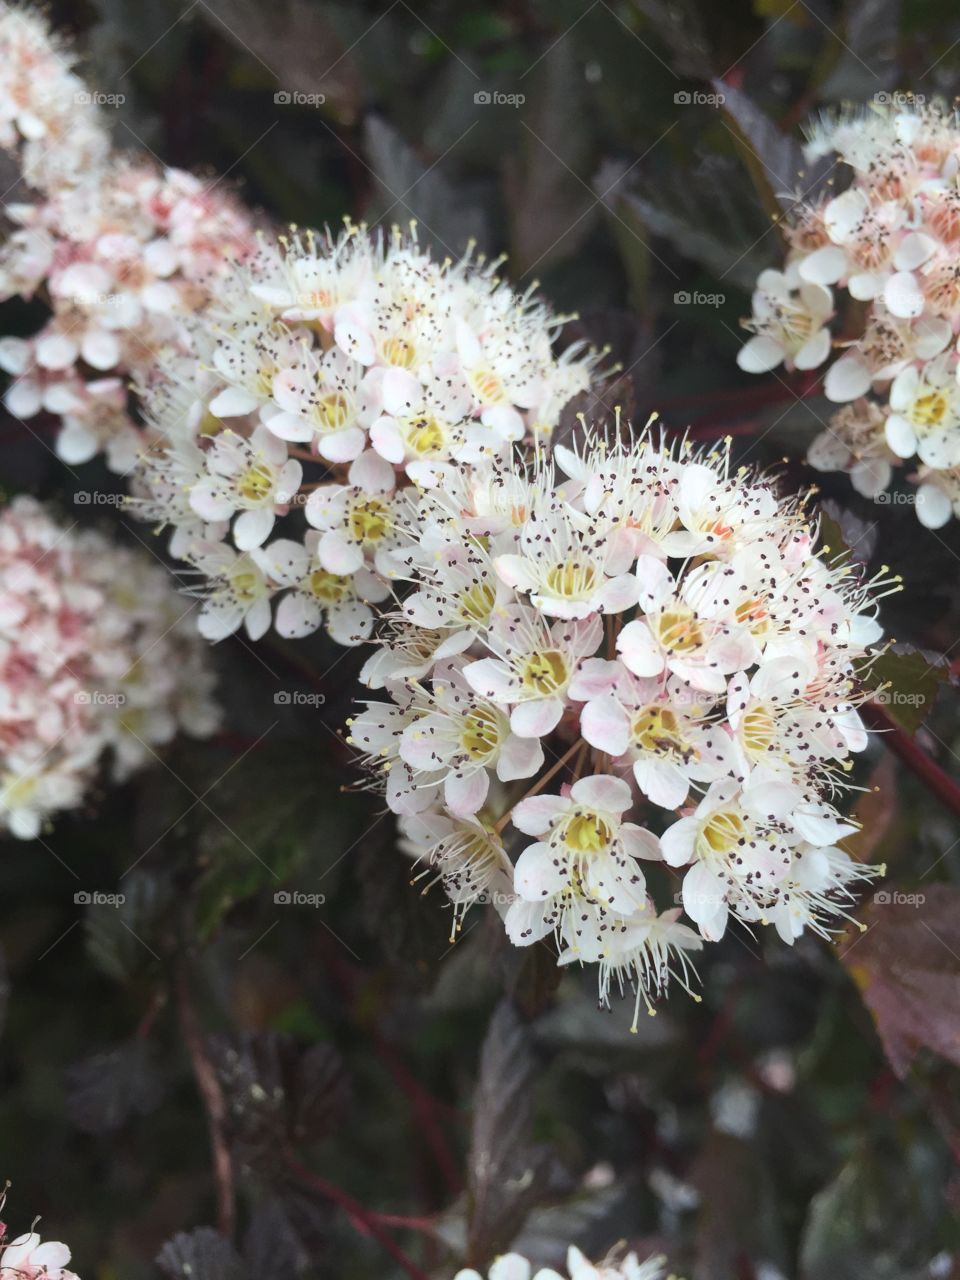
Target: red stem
(907, 749)
(364, 1220)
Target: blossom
(99, 661)
(707, 723)
(29, 1258)
(513, 1266)
(885, 250)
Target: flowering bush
(98, 660)
(369, 361)
(890, 242)
(654, 636)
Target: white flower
(465, 856)
(789, 324)
(584, 878)
(27, 1258)
(236, 594)
(252, 476)
(926, 414)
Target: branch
(208, 1086)
(907, 749)
(365, 1221)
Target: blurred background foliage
(378, 1094)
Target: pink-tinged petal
(903, 295)
(519, 758)
(603, 791)
(465, 795)
(738, 695)
(55, 351)
(593, 678)
(402, 393)
(252, 528)
(539, 873)
(233, 402)
(825, 265)
(640, 843)
(372, 473)
(657, 584)
(605, 725)
(515, 571)
(76, 444)
(640, 652)
(913, 251)
(289, 426)
(538, 814)
(100, 350)
(354, 341)
(342, 446)
(537, 718)
(297, 616)
(526, 923)
(339, 556)
(662, 782)
(619, 593)
(51, 1256)
(759, 355)
(703, 896)
(24, 399)
(491, 678)
(288, 481)
(386, 439)
(843, 214)
(19, 1250)
(846, 380)
(209, 501)
(678, 841)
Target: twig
(364, 1220)
(907, 749)
(208, 1086)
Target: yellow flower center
(753, 612)
(929, 410)
(256, 483)
(476, 603)
(587, 833)
(368, 520)
(759, 730)
(328, 588)
(481, 733)
(679, 630)
(657, 730)
(426, 436)
(245, 582)
(399, 352)
(264, 380)
(571, 580)
(333, 411)
(486, 386)
(545, 672)
(722, 831)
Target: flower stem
(907, 749)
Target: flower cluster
(120, 249)
(48, 118)
(639, 661)
(513, 1266)
(888, 246)
(364, 359)
(97, 659)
